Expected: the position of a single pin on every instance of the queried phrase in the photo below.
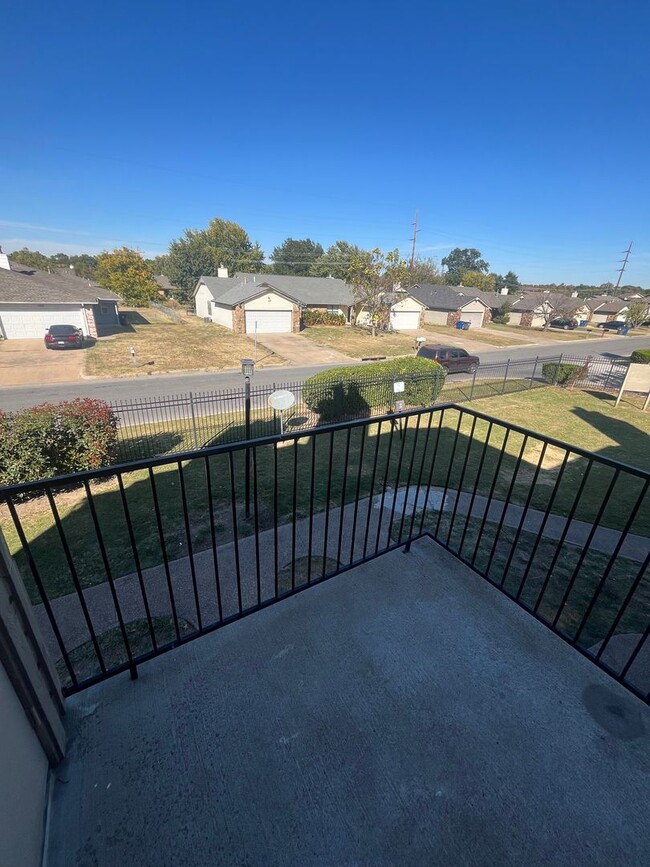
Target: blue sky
(520, 127)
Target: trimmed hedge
(54, 439)
(563, 374)
(640, 356)
(352, 392)
(322, 317)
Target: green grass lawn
(455, 450)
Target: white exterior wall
(473, 312)
(515, 317)
(32, 320)
(407, 303)
(222, 316)
(202, 301)
(22, 783)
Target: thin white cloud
(49, 247)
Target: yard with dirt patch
(359, 342)
(164, 345)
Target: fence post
(557, 369)
(247, 409)
(505, 377)
(196, 442)
(471, 391)
(532, 377)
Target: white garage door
(268, 321)
(401, 319)
(24, 323)
(475, 318)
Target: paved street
(152, 386)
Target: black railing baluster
(276, 553)
(213, 536)
(585, 548)
(612, 559)
(256, 513)
(371, 492)
(109, 578)
(506, 505)
(522, 519)
(418, 487)
(623, 606)
(312, 494)
(75, 579)
(41, 590)
(294, 515)
(362, 445)
(343, 487)
(409, 476)
(449, 470)
(327, 504)
(540, 532)
(470, 507)
(235, 529)
(432, 468)
(459, 492)
(398, 475)
(163, 551)
(190, 549)
(383, 489)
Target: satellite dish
(282, 399)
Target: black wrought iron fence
(125, 563)
(165, 425)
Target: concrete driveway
(299, 350)
(28, 362)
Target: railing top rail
(10, 491)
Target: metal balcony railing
(125, 563)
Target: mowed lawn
(451, 449)
(359, 342)
(438, 333)
(163, 345)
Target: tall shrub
(354, 391)
(640, 356)
(55, 439)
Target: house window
(105, 310)
(332, 308)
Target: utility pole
(415, 235)
(622, 269)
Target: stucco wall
(202, 301)
(407, 303)
(23, 782)
(222, 315)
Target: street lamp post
(247, 369)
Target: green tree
(373, 281)
(424, 270)
(512, 282)
(637, 313)
(337, 259)
(295, 256)
(484, 282)
(202, 251)
(30, 258)
(126, 273)
(465, 259)
(501, 314)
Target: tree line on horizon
(226, 243)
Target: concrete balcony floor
(402, 713)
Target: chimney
(4, 261)
(574, 294)
(221, 271)
(503, 290)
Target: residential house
(607, 308)
(32, 300)
(446, 305)
(273, 303)
(534, 308)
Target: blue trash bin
(624, 330)
(459, 325)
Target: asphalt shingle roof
(606, 304)
(25, 285)
(231, 291)
(438, 297)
